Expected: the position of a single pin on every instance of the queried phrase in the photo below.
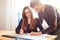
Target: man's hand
(35, 33)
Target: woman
(28, 24)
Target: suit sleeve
(17, 30)
(51, 20)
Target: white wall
(5, 15)
(8, 14)
(2, 14)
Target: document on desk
(31, 37)
(27, 36)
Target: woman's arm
(37, 25)
(17, 30)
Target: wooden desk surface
(6, 32)
(50, 37)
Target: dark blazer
(57, 31)
(37, 24)
(49, 16)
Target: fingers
(35, 33)
(21, 32)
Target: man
(46, 13)
(57, 31)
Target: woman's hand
(35, 33)
(21, 32)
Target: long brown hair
(25, 20)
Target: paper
(38, 29)
(32, 37)
(44, 24)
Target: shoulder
(49, 7)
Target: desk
(6, 32)
(51, 37)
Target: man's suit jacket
(49, 16)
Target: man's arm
(52, 21)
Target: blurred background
(11, 11)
